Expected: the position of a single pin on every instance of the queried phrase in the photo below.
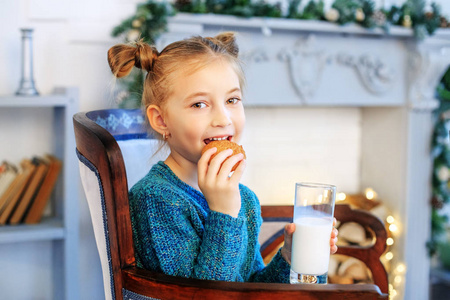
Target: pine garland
(148, 23)
(441, 167)
(313, 11)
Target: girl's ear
(155, 118)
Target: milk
(311, 245)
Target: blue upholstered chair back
(137, 151)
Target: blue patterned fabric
(174, 232)
(123, 124)
(128, 295)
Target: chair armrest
(161, 286)
(344, 213)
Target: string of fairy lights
(394, 266)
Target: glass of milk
(313, 218)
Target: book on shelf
(20, 186)
(11, 190)
(35, 182)
(36, 210)
(7, 174)
(28, 191)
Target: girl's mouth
(207, 141)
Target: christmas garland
(441, 165)
(150, 21)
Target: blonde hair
(186, 55)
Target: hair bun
(122, 58)
(228, 40)
(145, 56)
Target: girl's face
(203, 106)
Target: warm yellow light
(370, 194)
(390, 241)
(401, 268)
(393, 293)
(393, 228)
(389, 256)
(341, 196)
(390, 219)
(320, 199)
(397, 279)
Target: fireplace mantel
(391, 78)
(205, 20)
(317, 63)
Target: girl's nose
(221, 118)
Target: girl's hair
(186, 55)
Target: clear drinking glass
(313, 218)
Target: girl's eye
(233, 100)
(199, 105)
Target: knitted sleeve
(277, 270)
(168, 229)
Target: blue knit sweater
(176, 233)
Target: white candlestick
(27, 87)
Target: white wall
(288, 145)
(70, 42)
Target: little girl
(190, 217)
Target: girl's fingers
(289, 228)
(228, 164)
(334, 233)
(287, 247)
(333, 241)
(333, 249)
(288, 232)
(216, 163)
(203, 163)
(237, 175)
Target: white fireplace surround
(388, 79)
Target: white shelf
(61, 97)
(48, 229)
(47, 101)
(61, 229)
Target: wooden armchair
(104, 139)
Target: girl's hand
(333, 238)
(219, 188)
(287, 247)
(289, 231)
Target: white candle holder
(27, 87)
